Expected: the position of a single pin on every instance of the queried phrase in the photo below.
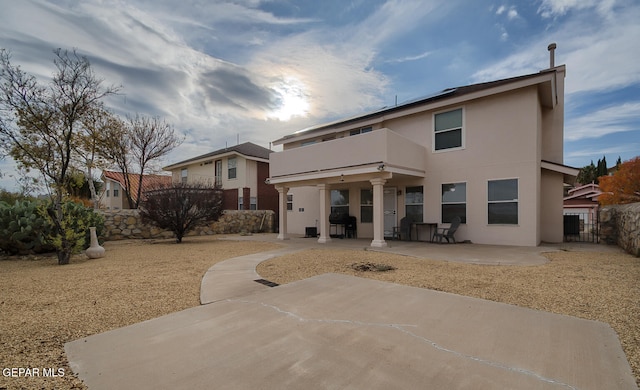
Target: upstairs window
(448, 128)
(361, 130)
(231, 165)
(219, 173)
(183, 175)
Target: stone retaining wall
(620, 225)
(125, 224)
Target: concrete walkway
(335, 332)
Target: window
(414, 202)
(361, 130)
(116, 193)
(340, 202)
(231, 165)
(454, 202)
(240, 203)
(219, 173)
(448, 130)
(107, 193)
(253, 205)
(366, 206)
(183, 176)
(503, 202)
(289, 202)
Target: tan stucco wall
(501, 142)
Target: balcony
(380, 149)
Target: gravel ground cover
(43, 305)
(592, 285)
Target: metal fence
(582, 227)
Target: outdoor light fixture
(381, 167)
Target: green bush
(26, 227)
(22, 229)
(75, 225)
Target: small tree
(40, 126)
(624, 186)
(180, 207)
(587, 174)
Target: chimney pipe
(552, 49)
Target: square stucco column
(378, 213)
(325, 207)
(282, 212)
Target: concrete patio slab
(336, 332)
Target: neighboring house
(491, 153)
(113, 196)
(241, 171)
(583, 202)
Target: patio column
(282, 212)
(378, 213)
(325, 210)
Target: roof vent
(552, 49)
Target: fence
(582, 227)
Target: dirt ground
(43, 305)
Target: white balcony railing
(382, 146)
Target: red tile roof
(148, 181)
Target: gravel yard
(43, 305)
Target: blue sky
(256, 70)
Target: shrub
(26, 227)
(22, 228)
(75, 224)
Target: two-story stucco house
(241, 170)
(489, 153)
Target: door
(389, 203)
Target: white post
(378, 213)
(282, 213)
(325, 209)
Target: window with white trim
(414, 203)
(231, 165)
(361, 130)
(366, 205)
(183, 175)
(340, 202)
(289, 202)
(448, 130)
(454, 202)
(503, 202)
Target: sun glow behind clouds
(292, 100)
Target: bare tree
(180, 207)
(39, 124)
(133, 145)
(151, 139)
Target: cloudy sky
(256, 70)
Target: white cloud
(554, 8)
(614, 119)
(600, 55)
(410, 58)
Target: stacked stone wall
(620, 225)
(126, 224)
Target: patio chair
(447, 233)
(404, 230)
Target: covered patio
(372, 160)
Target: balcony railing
(382, 146)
